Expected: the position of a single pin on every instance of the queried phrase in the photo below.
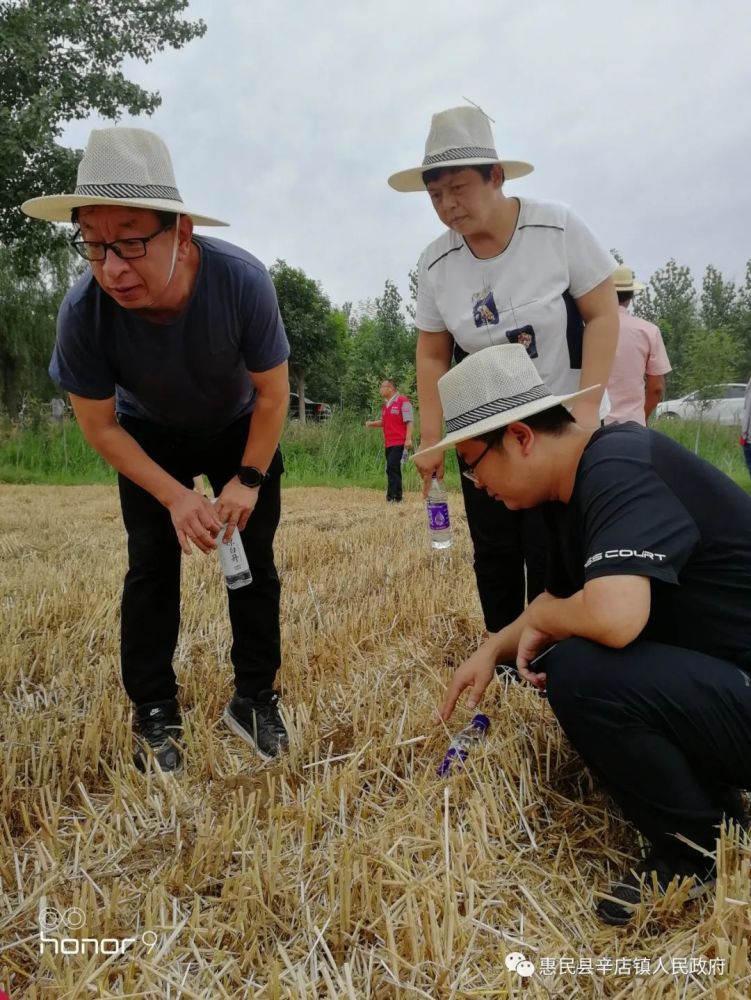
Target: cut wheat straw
(348, 870)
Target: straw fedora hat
(121, 166)
(459, 137)
(489, 389)
(624, 280)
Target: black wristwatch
(249, 475)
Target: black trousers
(668, 731)
(151, 595)
(394, 471)
(504, 540)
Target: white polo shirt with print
(523, 295)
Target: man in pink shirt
(637, 379)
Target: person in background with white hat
(507, 270)
(637, 380)
(645, 622)
(175, 357)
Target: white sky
(286, 118)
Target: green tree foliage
(711, 357)
(382, 345)
(325, 380)
(61, 60)
(708, 337)
(313, 328)
(718, 301)
(412, 304)
(669, 300)
(389, 315)
(740, 323)
(29, 302)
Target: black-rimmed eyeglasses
(469, 471)
(128, 249)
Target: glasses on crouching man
(469, 470)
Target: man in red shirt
(396, 421)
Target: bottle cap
(481, 721)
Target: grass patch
(715, 443)
(54, 454)
(340, 452)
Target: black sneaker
(628, 891)
(257, 721)
(157, 728)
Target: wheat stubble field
(348, 870)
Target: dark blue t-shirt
(644, 506)
(191, 373)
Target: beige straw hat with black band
(490, 389)
(624, 280)
(458, 137)
(121, 166)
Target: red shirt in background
(396, 414)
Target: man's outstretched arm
(477, 671)
(611, 610)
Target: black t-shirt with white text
(643, 505)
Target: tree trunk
(301, 394)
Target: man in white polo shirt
(507, 270)
(637, 381)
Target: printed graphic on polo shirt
(525, 336)
(484, 309)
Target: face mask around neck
(174, 249)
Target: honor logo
(52, 937)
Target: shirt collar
(393, 398)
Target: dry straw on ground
(348, 870)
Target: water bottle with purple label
(459, 747)
(439, 524)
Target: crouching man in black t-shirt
(645, 623)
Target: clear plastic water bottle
(459, 747)
(233, 560)
(439, 524)
(405, 456)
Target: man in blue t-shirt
(644, 627)
(174, 354)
